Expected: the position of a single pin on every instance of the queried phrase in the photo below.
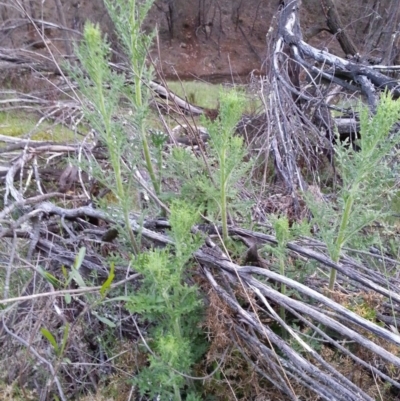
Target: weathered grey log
(163, 92)
(347, 70)
(346, 125)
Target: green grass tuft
(199, 93)
(206, 95)
(16, 124)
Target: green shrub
(366, 190)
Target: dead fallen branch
(277, 357)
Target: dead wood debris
(283, 359)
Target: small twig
(37, 175)
(20, 221)
(35, 199)
(12, 172)
(61, 293)
(10, 266)
(34, 236)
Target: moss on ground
(18, 124)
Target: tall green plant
(173, 307)
(366, 181)
(227, 147)
(284, 233)
(126, 138)
(164, 299)
(128, 17)
(214, 186)
(102, 90)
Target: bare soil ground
(229, 48)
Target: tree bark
(336, 28)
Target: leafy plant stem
(116, 164)
(149, 165)
(177, 393)
(223, 198)
(132, 238)
(340, 240)
(142, 131)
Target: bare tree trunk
(392, 29)
(66, 38)
(336, 28)
(236, 5)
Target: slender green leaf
(79, 258)
(125, 298)
(65, 338)
(76, 276)
(49, 277)
(106, 321)
(106, 285)
(64, 272)
(46, 333)
(67, 298)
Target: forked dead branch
(305, 84)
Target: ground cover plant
(203, 94)
(220, 267)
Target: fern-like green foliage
(366, 178)
(128, 17)
(103, 90)
(228, 150)
(172, 306)
(284, 233)
(215, 187)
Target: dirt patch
(214, 41)
(220, 43)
